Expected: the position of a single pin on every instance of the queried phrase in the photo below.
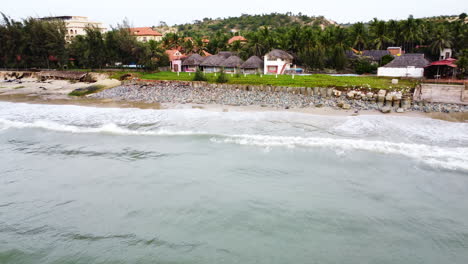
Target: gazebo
(443, 69)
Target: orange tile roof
(144, 31)
(237, 38)
(174, 54)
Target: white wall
(279, 63)
(401, 72)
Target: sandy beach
(30, 90)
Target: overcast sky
(150, 12)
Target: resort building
(192, 63)
(175, 59)
(76, 25)
(216, 62)
(395, 51)
(232, 64)
(145, 34)
(407, 65)
(252, 65)
(277, 62)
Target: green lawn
(316, 80)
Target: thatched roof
(193, 60)
(417, 60)
(226, 54)
(279, 54)
(375, 55)
(253, 62)
(232, 62)
(213, 61)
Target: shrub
(199, 76)
(222, 78)
(386, 59)
(364, 66)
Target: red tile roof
(144, 31)
(237, 38)
(175, 54)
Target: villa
(145, 34)
(277, 62)
(407, 65)
(175, 59)
(76, 25)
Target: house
(192, 63)
(445, 54)
(241, 39)
(395, 51)
(407, 65)
(175, 59)
(277, 62)
(215, 63)
(232, 64)
(252, 65)
(76, 25)
(145, 34)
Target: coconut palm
(442, 39)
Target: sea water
(106, 185)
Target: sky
(150, 12)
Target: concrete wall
(278, 63)
(401, 72)
(442, 93)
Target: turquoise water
(98, 185)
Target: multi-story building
(76, 25)
(145, 34)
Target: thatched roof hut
(193, 60)
(253, 62)
(232, 62)
(279, 54)
(375, 55)
(213, 61)
(416, 60)
(226, 54)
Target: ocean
(107, 185)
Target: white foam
(449, 158)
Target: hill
(245, 22)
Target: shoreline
(56, 92)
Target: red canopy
(448, 62)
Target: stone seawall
(384, 99)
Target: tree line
(38, 43)
(35, 43)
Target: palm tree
(411, 30)
(359, 35)
(379, 34)
(442, 39)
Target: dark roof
(253, 62)
(350, 54)
(279, 54)
(417, 60)
(232, 62)
(213, 61)
(375, 55)
(193, 60)
(226, 54)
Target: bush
(199, 76)
(222, 78)
(386, 59)
(364, 66)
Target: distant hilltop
(246, 22)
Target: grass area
(316, 80)
(88, 90)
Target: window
(71, 31)
(272, 69)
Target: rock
(385, 110)
(400, 110)
(351, 94)
(346, 106)
(319, 105)
(394, 81)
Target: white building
(145, 34)
(76, 25)
(407, 65)
(445, 54)
(277, 62)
